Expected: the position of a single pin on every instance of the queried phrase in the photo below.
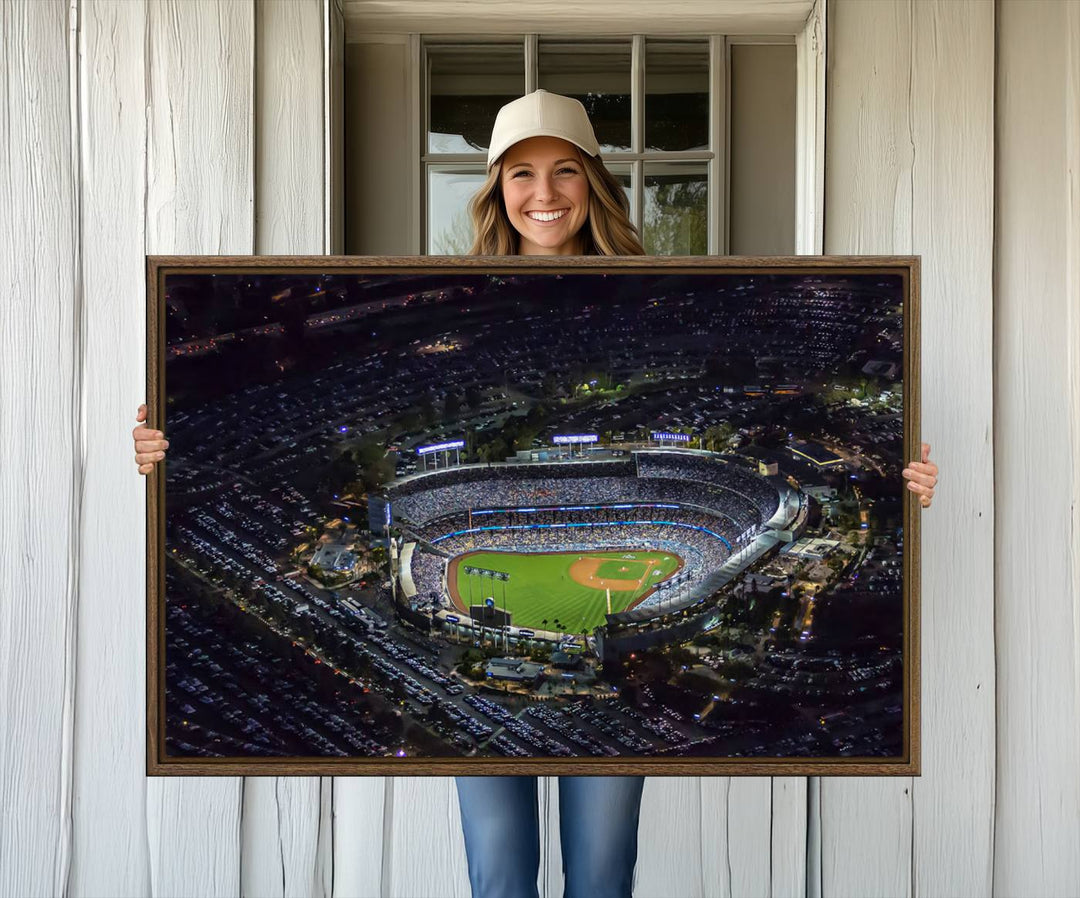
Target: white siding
(109, 823)
(200, 199)
(909, 169)
(41, 433)
(286, 843)
(1037, 450)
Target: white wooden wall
(910, 150)
(176, 126)
(1036, 839)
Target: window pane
(449, 191)
(676, 95)
(466, 86)
(676, 209)
(597, 74)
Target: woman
(548, 193)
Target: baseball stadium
(573, 551)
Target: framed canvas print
(580, 515)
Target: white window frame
(809, 41)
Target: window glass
(676, 209)
(597, 74)
(676, 95)
(466, 86)
(449, 190)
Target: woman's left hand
(922, 477)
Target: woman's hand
(150, 445)
(922, 477)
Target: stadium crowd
(699, 508)
(713, 472)
(659, 477)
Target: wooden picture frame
(611, 461)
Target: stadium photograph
(463, 515)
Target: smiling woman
(546, 195)
(547, 191)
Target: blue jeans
(598, 822)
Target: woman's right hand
(150, 445)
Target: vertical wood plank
(424, 851)
(280, 837)
(716, 820)
(290, 161)
(868, 201)
(199, 196)
(749, 845)
(40, 446)
(788, 842)
(1037, 450)
(108, 815)
(361, 809)
(813, 837)
(200, 193)
(674, 832)
(910, 169)
(952, 124)
(551, 876)
(282, 816)
(324, 856)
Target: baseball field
(568, 587)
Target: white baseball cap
(541, 114)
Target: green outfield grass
(540, 586)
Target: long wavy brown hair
(607, 230)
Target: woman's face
(546, 195)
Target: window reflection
(597, 74)
(467, 84)
(676, 95)
(450, 230)
(676, 211)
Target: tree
(410, 421)
(496, 450)
(457, 238)
(524, 439)
(549, 386)
(717, 437)
(374, 466)
(470, 452)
